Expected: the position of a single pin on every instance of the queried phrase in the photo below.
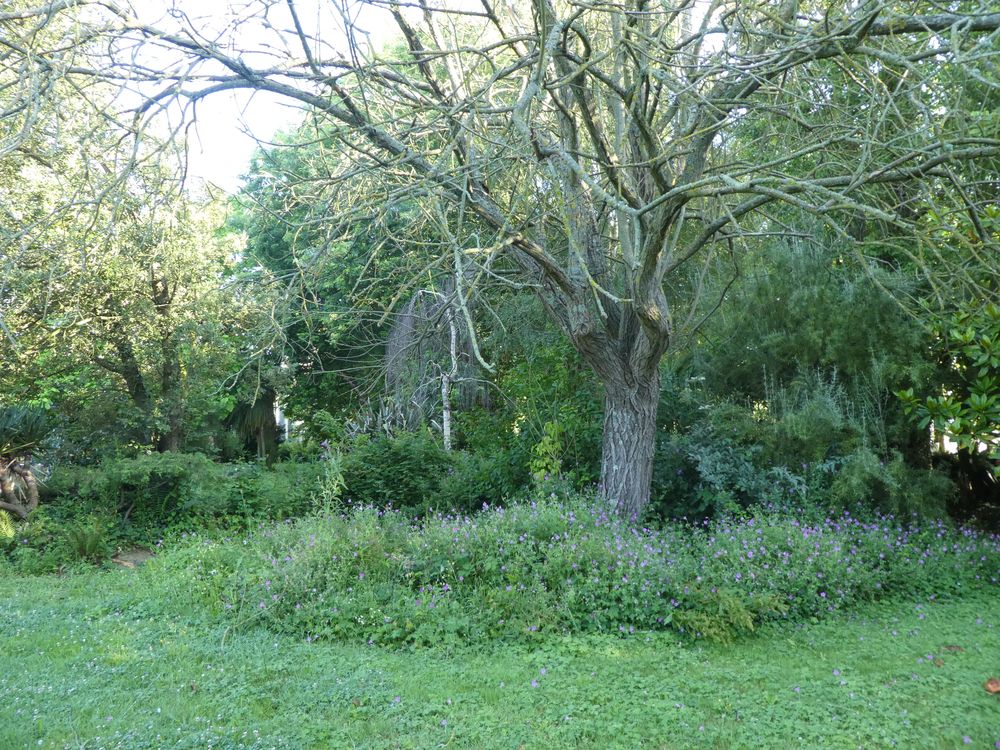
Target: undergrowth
(529, 569)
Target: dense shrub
(90, 511)
(565, 567)
(410, 471)
(542, 381)
(413, 471)
(159, 489)
(891, 485)
(793, 384)
(807, 309)
(280, 491)
(155, 488)
(474, 479)
(67, 482)
(54, 538)
(134, 501)
(807, 440)
(404, 471)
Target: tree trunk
(172, 395)
(132, 375)
(171, 392)
(446, 380)
(629, 443)
(127, 367)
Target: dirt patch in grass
(132, 558)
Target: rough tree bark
(629, 442)
(127, 367)
(628, 367)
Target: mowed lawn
(88, 662)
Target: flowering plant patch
(571, 566)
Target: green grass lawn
(84, 666)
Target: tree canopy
(607, 158)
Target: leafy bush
(40, 544)
(158, 489)
(88, 540)
(138, 500)
(890, 485)
(543, 381)
(7, 528)
(701, 473)
(516, 572)
(69, 482)
(405, 471)
(281, 491)
(808, 440)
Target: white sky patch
(229, 126)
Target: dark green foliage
(88, 540)
(33, 546)
(543, 382)
(789, 396)
(160, 487)
(806, 307)
(57, 537)
(412, 471)
(89, 511)
(804, 444)
(283, 491)
(406, 471)
(157, 490)
(476, 479)
(22, 429)
(66, 481)
(700, 473)
(812, 328)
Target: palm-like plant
(22, 428)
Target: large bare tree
(601, 154)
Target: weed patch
(528, 570)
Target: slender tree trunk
(173, 399)
(132, 375)
(629, 443)
(446, 380)
(170, 372)
(127, 367)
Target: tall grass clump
(566, 566)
